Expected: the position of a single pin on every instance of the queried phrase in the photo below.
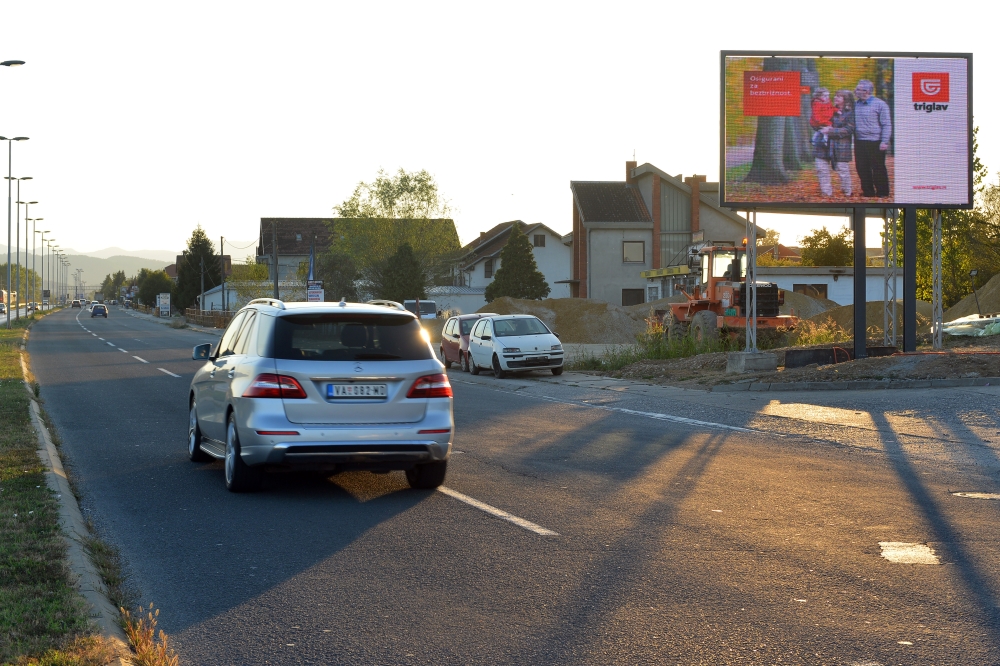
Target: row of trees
(25, 281)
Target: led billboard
(846, 130)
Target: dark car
(99, 311)
(455, 339)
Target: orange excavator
(718, 301)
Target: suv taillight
(430, 386)
(274, 386)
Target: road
(689, 528)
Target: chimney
(629, 165)
(694, 182)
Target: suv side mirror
(201, 352)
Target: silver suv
(321, 386)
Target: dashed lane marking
(111, 344)
(499, 513)
(122, 350)
(100, 338)
(140, 359)
(164, 370)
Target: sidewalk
(167, 321)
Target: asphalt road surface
(640, 525)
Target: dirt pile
(989, 301)
(803, 306)
(580, 320)
(843, 316)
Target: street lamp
(52, 291)
(34, 289)
(17, 242)
(9, 172)
(43, 263)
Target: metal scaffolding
(751, 282)
(937, 293)
(890, 252)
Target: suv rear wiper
(375, 355)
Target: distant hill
(109, 252)
(95, 269)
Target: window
(349, 337)
(449, 328)
(653, 293)
(632, 296)
(539, 240)
(241, 340)
(225, 347)
(478, 330)
(298, 238)
(814, 290)
(634, 252)
(488, 268)
(487, 330)
(520, 326)
(466, 325)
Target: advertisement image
(846, 130)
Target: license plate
(356, 391)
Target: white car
(514, 343)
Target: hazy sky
(146, 119)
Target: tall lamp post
(34, 288)
(43, 264)
(52, 291)
(9, 176)
(17, 242)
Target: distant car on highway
(514, 343)
(76, 303)
(321, 386)
(455, 339)
(99, 311)
(3, 308)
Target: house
(835, 283)
(480, 260)
(627, 233)
(295, 236)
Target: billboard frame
(791, 206)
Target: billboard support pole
(910, 279)
(937, 290)
(890, 263)
(750, 282)
(860, 285)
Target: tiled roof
(295, 234)
(490, 243)
(609, 201)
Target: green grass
(40, 611)
(650, 345)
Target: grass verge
(40, 610)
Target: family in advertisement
(825, 130)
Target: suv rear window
(349, 337)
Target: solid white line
(652, 415)
(493, 511)
(122, 350)
(168, 372)
(140, 359)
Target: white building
(480, 260)
(835, 283)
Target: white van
(428, 309)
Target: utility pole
(222, 269)
(274, 252)
(201, 303)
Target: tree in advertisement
(518, 275)
(153, 283)
(199, 256)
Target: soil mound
(581, 320)
(843, 316)
(803, 306)
(989, 301)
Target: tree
(379, 217)
(189, 270)
(518, 275)
(153, 283)
(824, 249)
(339, 274)
(402, 277)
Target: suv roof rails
(273, 302)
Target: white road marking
(100, 338)
(122, 350)
(655, 415)
(499, 513)
(140, 359)
(167, 372)
(902, 552)
(989, 496)
(94, 334)
(111, 344)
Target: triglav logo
(930, 91)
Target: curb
(159, 320)
(857, 385)
(88, 581)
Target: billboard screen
(846, 130)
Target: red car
(455, 339)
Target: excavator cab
(723, 264)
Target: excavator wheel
(676, 329)
(704, 327)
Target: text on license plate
(356, 391)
